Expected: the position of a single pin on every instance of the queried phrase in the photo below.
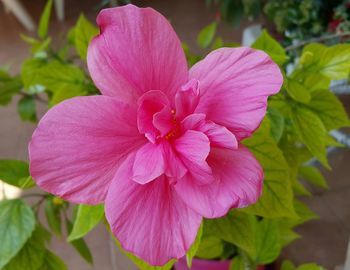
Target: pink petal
(234, 85)
(193, 121)
(137, 51)
(193, 148)
(174, 168)
(149, 163)
(164, 121)
(149, 104)
(186, 100)
(219, 136)
(150, 220)
(78, 146)
(238, 183)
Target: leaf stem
(37, 97)
(319, 39)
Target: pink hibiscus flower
(161, 145)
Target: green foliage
(52, 262)
(87, 218)
(16, 173)
(267, 44)
(310, 266)
(84, 31)
(194, 248)
(142, 265)
(26, 109)
(210, 247)
(313, 175)
(267, 242)
(17, 223)
(9, 86)
(277, 196)
(311, 132)
(276, 124)
(30, 78)
(236, 228)
(288, 265)
(31, 256)
(237, 263)
(329, 109)
(79, 244)
(297, 91)
(206, 35)
(332, 62)
(53, 216)
(44, 20)
(62, 80)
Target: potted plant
(294, 131)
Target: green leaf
(329, 109)
(44, 20)
(304, 213)
(277, 196)
(80, 245)
(193, 249)
(276, 123)
(310, 266)
(237, 263)
(288, 265)
(300, 189)
(268, 245)
(217, 43)
(313, 175)
(333, 62)
(63, 80)
(210, 247)
(273, 48)
(142, 265)
(17, 223)
(311, 132)
(31, 256)
(53, 216)
(56, 75)
(287, 235)
(236, 228)
(16, 173)
(9, 86)
(66, 92)
(206, 35)
(87, 218)
(52, 262)
(31, 77)
(29, 40)
(297, 91)
(316, 82)
(26, 109)
(84, 31)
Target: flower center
(174, 132)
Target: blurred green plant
(294, 131)
(293, 19)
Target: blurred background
(323, 240)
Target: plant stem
(319, 39)
(37, 97)
(36, 207)
(33, 195)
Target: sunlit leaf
(87, 218)
(17, 223)
(44, 20)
